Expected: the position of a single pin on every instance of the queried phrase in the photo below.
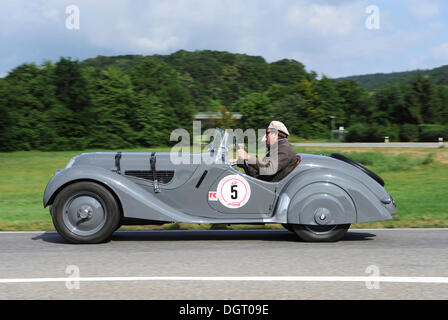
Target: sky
(335, 38)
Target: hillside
(383, 80)
(135, 100)
(216, 75)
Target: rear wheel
(85, 212)
(320, 233)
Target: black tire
(103, 219)
(316, 233)
(288, 227)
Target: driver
(280, 158)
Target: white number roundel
(233, 191)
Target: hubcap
(84, 214)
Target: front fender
(135, 201)
(348, 198)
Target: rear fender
(342, 198)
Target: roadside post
(341, 134)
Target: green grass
(419, 185)
(379, 161)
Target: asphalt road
(42, 259)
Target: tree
(256, 111)
(230, 86)
(112, 111)
(313, 111)
(151, 121)
(287, 72)
(27, 99)
(425, 99)
(290, 110)
(152, 77)
(6, 119)
(226, 120)
(71, 85)
(329, 98)
(443, 96)
(357, 102)
(392, 102)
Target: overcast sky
(328, 36)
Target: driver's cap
(277, 125)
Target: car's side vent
(163, 176)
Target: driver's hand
(242, 154)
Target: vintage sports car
(100, 191)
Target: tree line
(130, 101)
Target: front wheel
(85, 212)
(318, 233)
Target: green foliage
(111, 110)
(432, 132)
(70, 84)
(358, 132)
(133, 100)
(256, 111)
(287, 72)
(380, 162)
(379, 81)
(372, 132)
(156, 78)
(409, 132)
(226, 121)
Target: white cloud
(441, 52)
(423, 10)
(328, 36)
(326, 19)
(52, 14)
(145, 44)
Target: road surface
(226, 264)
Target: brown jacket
(279, 161)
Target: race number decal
(233, 191)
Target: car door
(234, 193)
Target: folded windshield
(218, 147)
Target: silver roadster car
(98, 192)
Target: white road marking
(434, 280)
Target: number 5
(234, 192)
